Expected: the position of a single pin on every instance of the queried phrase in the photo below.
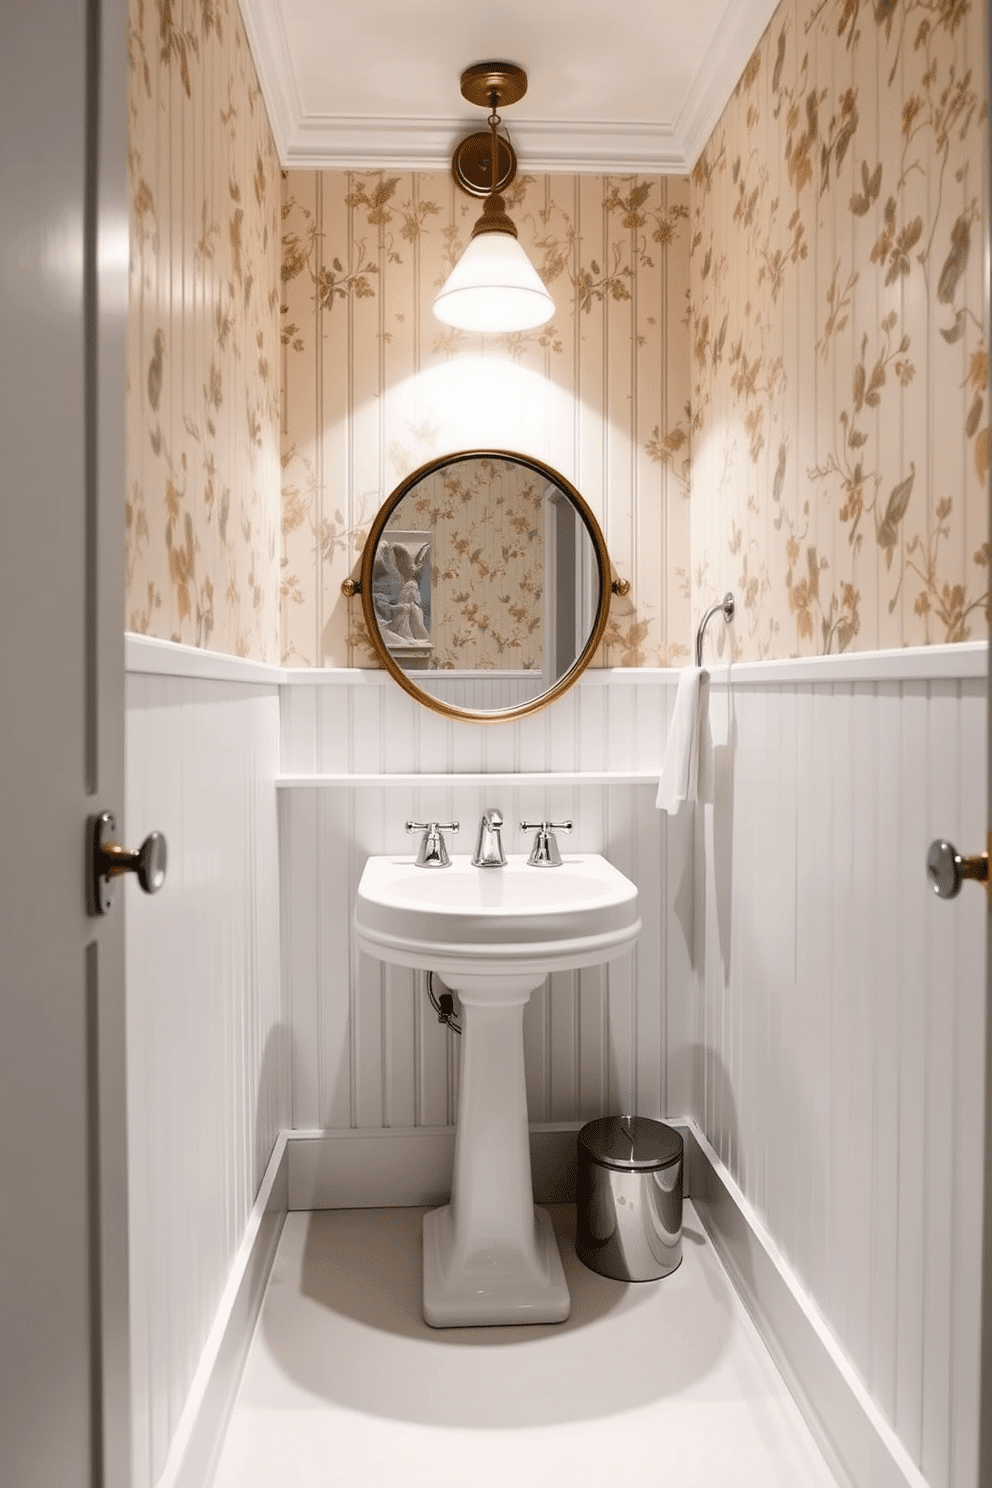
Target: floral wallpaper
(798, 337)
(374, 386)
(486, 521)
(202, 521)
(839, 343)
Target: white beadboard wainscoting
(798, 989)
(360, 758)
(839, 1011)
(208, 1044)
(797, 994)
(509, 689)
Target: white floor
(661, 1383)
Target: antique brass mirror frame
(364, 587)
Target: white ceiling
(635, 87)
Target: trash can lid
(631, 1142)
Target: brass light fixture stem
(494, 214)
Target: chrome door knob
(108, 860)
(947, 869)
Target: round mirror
(485, 585)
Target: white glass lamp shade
(494, 287)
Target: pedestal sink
(493, 935)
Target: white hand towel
(686, 771)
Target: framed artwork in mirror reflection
(401, 595)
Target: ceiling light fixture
(493, 286)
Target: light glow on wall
(484, 402)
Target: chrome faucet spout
(489, 844)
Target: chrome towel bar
(727, 606)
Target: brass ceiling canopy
(505, 79)
(488, 85)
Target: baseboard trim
(406, 1166)
(403, 1167)
(860, 1447)
(399, 1167)
(200, 1434)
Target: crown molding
(340, 143)
(328, 141)
(269, 47)
(722, 67)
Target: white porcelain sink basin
(493, 935)
(515, 919)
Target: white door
(985, 1417)
(63, 285)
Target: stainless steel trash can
(628, 1198)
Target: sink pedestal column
(490, 1256)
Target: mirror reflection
(485, 581)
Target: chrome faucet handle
(432, 852)
(489, 844)
(545, 853)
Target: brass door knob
(947, 869)
(108, 860)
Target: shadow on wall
(715, 1095)
(724, 730)
(272, 1102)
(783, 1177)
(708, 824)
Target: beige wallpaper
(202, 525)
(831, 379)
(840, 368)
(374, 386)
